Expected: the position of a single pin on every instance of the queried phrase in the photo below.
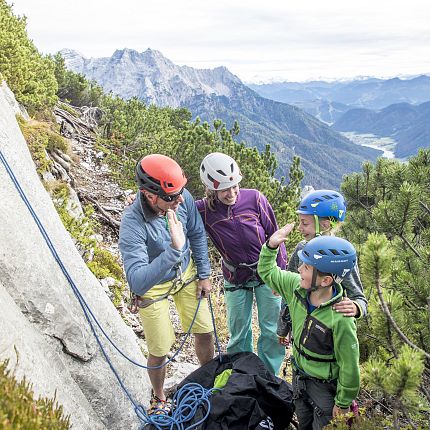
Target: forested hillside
(388, 216)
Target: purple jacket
(239, 231)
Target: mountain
(217, 93)
(370, 93)
(408, 125)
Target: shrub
(20, 411)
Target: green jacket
(325, 342)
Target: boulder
(44, 324)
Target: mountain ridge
(217, 93)
(407, 124)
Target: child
(320, 212)
(326, 376)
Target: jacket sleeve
(270, 225)
(197, 237)
(294, 261)
(279, 280)
(354, 288)
(141, 274)
(347, 357)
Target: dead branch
(393, 323)
(111, 221)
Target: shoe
(158, 406)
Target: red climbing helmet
(160, 175)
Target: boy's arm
(270, 226)
(354, 288)
(347, 357)
(278, 280)
(294, 261)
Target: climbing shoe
(158, 406)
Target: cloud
(256, 40)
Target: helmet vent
(327, 197)
(231, 167)
(322, 252)
(345, 251)
(221, 172)
(334, 251)
(203, 168)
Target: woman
(239, 221)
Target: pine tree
(29, 74)
(389, 222)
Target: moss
(105, 264)
(20, 410)
(100, 261)
(41, 137)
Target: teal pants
(239, 320)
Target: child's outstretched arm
(280, 236)
(278, 280)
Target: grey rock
(49, 322)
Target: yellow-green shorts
(158, 329)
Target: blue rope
(188, 402)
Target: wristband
(270, 247)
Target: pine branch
(410, 246)
(424, 206)
(377, 401)
(393, 323)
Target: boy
(326, 376)
(320, 214)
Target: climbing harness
(187, 403)
(299, 386)
(178, 284)
(233, 268)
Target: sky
(259, 41)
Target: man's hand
(281, 235)
(176, 230)
(339, 411)
(130, 199)
(203, 288)
(347, 307)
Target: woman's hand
(347, 307)
(281, 235)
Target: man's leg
(157, 376)
(204, 344)
(202, 329)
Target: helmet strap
(317, 226)
(314, 286)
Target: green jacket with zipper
(325, 342)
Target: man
(158, 232)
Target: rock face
(43, 329)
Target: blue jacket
(145, 244)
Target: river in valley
(385, 144)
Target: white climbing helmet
(219, 171)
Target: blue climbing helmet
(329, 254)
(323, 204)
